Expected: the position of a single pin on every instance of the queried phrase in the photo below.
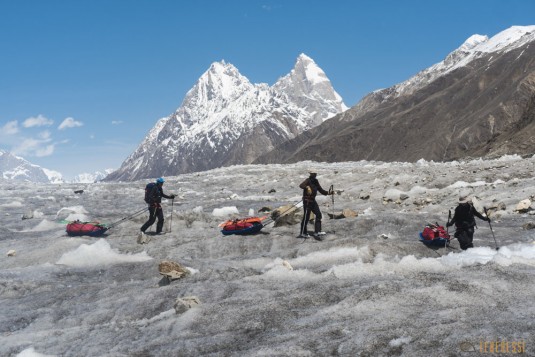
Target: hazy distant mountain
(16, 168)
(226, 120)
(91, 177)
(479, 101)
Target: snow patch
(225, 211)
(99, 254)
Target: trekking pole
(448, 228)
(486, 214)
(331, 190)
(171, 219)
(448, 224)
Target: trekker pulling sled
(464, 220)
(153, 198)
(311, 187)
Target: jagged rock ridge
(479, 101)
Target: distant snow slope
(91, 177)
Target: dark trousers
(465, 236)
(154, 212)
(311, 207)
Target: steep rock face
(226, 120)
(480, 101)
(308, 87)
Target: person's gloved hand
(487, 219)
(172, 197)
(449, 224)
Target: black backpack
(464, 215)
(148, 191)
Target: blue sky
(82, 82)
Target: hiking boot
(320, 233)
(303, 235)
(317, 236)
(142, 238)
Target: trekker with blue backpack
(153, 197)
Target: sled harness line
(271, 220)
(137, 213)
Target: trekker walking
(311, 187)
(154, 200)
(465, 222)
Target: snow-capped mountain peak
(308, 85)
(221, 81)
(507, 40)
(476, 46)
(225, 120)
(472, 42)
(16, 168)
(92, 177)
(306, 68)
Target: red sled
(242, 227)
(435, 235)
(93, 229)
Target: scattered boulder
(477, 204)
(172, 270)
(364, 196)
(523, 206)
(265, 209)
(12, 253)
(143, 238)
(421, 201)
(384, 236)
(493, 210)
(394, 195)
(79, 192)
(287, 265)
(272, 191)
(529, 225)
(287, 215)
(185, 303)
(349, 213)
(27, 215)
(346, 213)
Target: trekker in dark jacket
(155, 207)
(311, 187)
(465, 222)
